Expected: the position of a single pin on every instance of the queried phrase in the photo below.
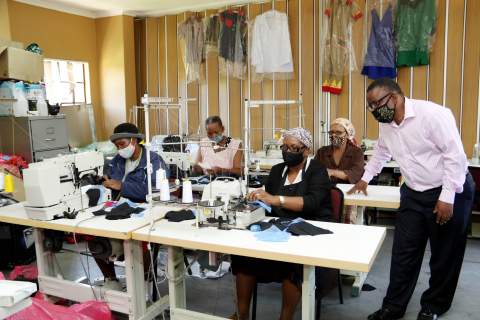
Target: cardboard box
(21, 65)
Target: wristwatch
(282, 200)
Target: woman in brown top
(343, 159)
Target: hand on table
(264, 196)
(112, 184)
(444, 212)
(360, 186)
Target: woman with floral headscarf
(343, 159)
(297, 188)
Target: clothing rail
(167, 104)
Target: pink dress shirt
(426, 146)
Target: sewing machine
(53, 186)
(224, 197)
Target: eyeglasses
(336, 133)
(286, 148)
(375, 104)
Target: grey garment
(381, 45)
(192, 31)
(212, 33)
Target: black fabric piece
(368, 287)
(304, 228)
(122, 211)
(100, 212)
(281, 223)
(177, 216)
(93, 196)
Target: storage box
(19, 64)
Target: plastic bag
(27, 272)
(43, 310)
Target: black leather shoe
(426, 314)
(384, 314)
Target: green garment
(414, 28)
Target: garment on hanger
(212, 33)
(271, 53)
(191, 31)
(337, 47)
(414, 29)
(232, 47)
(379, 60)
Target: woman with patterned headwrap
(298, 187)
(343, 159)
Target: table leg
(135, 279)
(360, 215)
(176, 280)
(45, 265)
(308, 293)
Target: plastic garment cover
(271, 53)
(380, 57)
(212, 33)
(414, 28)
(43, 310)
(232, 43)
(337, 48)
(191, 31)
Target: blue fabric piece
(272, 234)
(381, 53)
(264, 206)
(379, 72)
(135, 185)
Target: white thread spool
(159, 176)
(2, 180)
(187, 196)
(164, 190)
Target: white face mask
(127, 152)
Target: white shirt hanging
(271, 49)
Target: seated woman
(342, 158)
(218, 154)
(298, 187)
(126, 176)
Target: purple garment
(379, 60)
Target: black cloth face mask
(292, 159)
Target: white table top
(350, 247)
(473, 163)
(85, 222)
(378, 196)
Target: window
(67, 82)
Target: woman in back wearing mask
(297, 188)
(343, 159)
(218, 154)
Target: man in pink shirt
(436, 198)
